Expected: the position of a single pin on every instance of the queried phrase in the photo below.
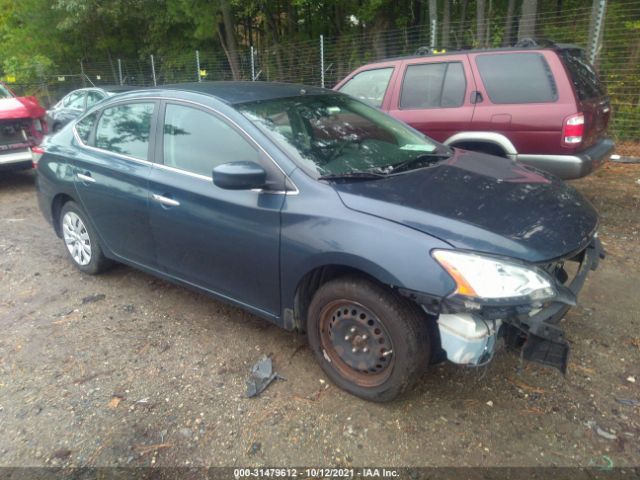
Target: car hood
(20, 107)
(482, 203)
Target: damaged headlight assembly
(488, 290)
(483, 279)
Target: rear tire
(368, 340)
(80, 240)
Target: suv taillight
(36, 155)
(573, 130)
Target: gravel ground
(125, 369)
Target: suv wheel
(80, 240)
(369, 341)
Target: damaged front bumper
(469, 330)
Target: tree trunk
(446, 23)
(481, 26)
(528, 19)
(271, 29)
(508, 24)
(433, 19)
(229, 43)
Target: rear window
(584, 78)
(517, 78)
(369, 86)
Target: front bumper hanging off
(468, 332)
(545, 342)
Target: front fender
(319, 230)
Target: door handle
(86, 178)
(169, 202)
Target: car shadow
(21, 178)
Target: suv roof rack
(534, 43)
(424, 50)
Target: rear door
(225, 241)
(111, 174)
(434, 95)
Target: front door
(225, 241)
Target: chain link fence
(613, 42)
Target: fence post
(434, 25)
(120, 71)
(82, 75)
(253, 66)
(198, 64)
(153, 71)
(322, 61)
(596, 33)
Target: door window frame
(92, 135)
(281, 181)
(368, 70)
(446, 71)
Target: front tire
(368, 340)
(81, 241)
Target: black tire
(97, 261)
(393, 318)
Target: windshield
(4, 92)
(333, 134)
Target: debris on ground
(605, 434)
(93, 298)
(262, 375)
(255, 448)
(114, 402)
(631, 379)
(631, 402)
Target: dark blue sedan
(322, 214)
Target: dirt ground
(124, 369)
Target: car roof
(445, 51)
(235, 92)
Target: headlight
(479, 276)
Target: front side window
(197, 141)
(517, 78)
(369, 86)
(125, 129)
(334, 134)
(84, 127)
(433, 85)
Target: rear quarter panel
(533, 128)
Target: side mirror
(239, 176)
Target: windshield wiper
(352, 176)
(423, 157)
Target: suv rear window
(517, 78)
(433, 85)
(369, 86)
(584, 78)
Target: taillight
(573, 130)
(36, 155)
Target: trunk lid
(482, 203)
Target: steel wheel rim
(76, 238)
(356, 342)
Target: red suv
(542, 106)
